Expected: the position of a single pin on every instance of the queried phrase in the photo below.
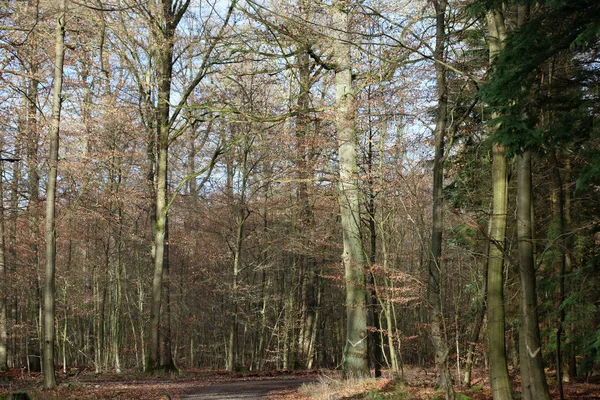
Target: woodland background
(241, 96)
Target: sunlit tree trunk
(355, 364)
(48, 358)
(496, 324)
(500, 380)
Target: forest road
(244, 390)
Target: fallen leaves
(417, 383)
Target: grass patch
(332, 389)
(366, 389)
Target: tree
(435, 267)
(533, 385)
(49, 302)
(353, 257)
(533, 378)
(164, 20)
(3, 285)
(496, 324)
(542, 109)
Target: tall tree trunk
(306, 262)
(33, 209)
(496, 325)
(570, 253)
(355, 364)
(48, 358)
(533, 379)
(240, 214)
(558, 210)
(500, 380)
(165, 35)
(3, 281)
(12, 228)
(435, 267)
(373, 302)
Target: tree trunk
(355, 363)
(373, 302)
(500, 381)
(435, 267)
(12, 236)
(496, 326)
(3, 281)
(165, 71)
(533, 379)
(306, 262)
(48, 358)
(166, 360)
(233, 328)
(558, 211)
(478, 323)
(33, 211)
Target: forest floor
(417, 383)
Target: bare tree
(355, 351)
(49, 302)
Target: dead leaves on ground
(419, 385)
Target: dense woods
(256, 185)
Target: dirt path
(243, 390)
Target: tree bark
(165, 35)
(33, 209)
(48, 356)
(435, 267)
(533, 379)
(558, 211)
(500, 380)
(12, 230)
(3, 282)
(167, 363)
(304, 174)
(496, 326)
(373, 301)
(355, 364)
(478, 323)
